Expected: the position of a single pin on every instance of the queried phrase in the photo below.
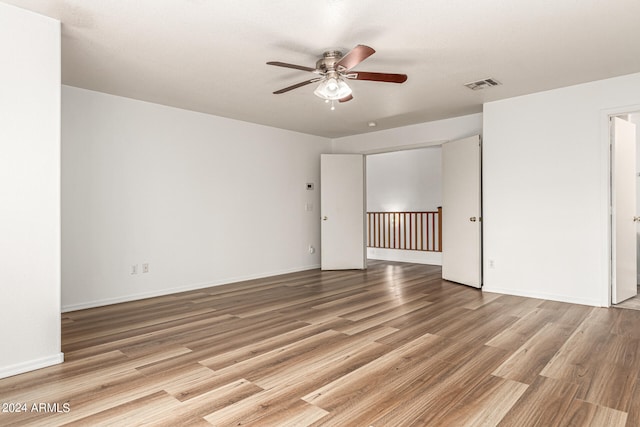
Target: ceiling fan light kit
(333, 89)
(333, 69)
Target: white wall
(203, 200)
(407, 137)
(408, 180)
(546, 190)
(29, 191)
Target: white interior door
(342, 199)
(624, 278)
(461, 212)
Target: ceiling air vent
(482, 84)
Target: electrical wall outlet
(145, 268)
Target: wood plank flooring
(632, 303)
(394, 345)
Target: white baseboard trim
(31, 365)
(399, 255)
(169, 291)
(542, 295)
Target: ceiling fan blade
(377, 77)
(355, 56)
(346, 98)
(297, 67)
(296, 86)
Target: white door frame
(605, 179)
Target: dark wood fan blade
(377, 77)
(346, 98)
(355, 56)
(296, 86)
(297, 67)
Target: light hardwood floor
(390, 346)
(631, 303)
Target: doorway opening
(404, 192)
(342, 187)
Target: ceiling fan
(334, 69)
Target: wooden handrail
(407, 230)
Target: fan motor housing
(328, 60)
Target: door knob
(472, 219)
(636, 218)
(324, 218)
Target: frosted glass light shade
(332, 89)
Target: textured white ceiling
(210, 55)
